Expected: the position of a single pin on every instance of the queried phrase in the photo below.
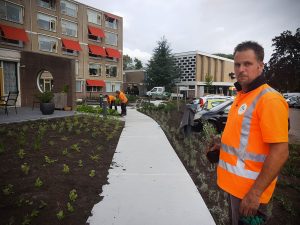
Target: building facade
(135, 82)
(65, 43)
(198, 67)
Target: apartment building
(48, 44)
(196, 65)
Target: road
(294, 133)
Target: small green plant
(80, 163)
(95, 157)
(2, 150)
(53, 126)
(65, 151)
(8, 189)
(77, 131)
(45, 97)
(37, 143)
(21, 153)
(51, 143)
(25, 168)
(38, 182)
(70, 207)
(49, 161)
(34, 213)
(73, 195)
(21, 139)
(64, 138)
(60, 215)
(92, 173)
(42, 204)
(26, 220)
(75, 147)
(66, 168)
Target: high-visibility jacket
(256, 118)
(111, 98)
(122, 97)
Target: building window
(111, 38)
(68, 8)
(6, 41)
(11, 12)
(94, 17)
(94, 69)
(111, 71)
(93, 89)
(10, 76)
(112, 87)
(49, 4)
(79, 86)
(76, 67)
(46, 22)
(45, 81)
(69, 28)
(70, 52)
(48, 44)
(111, 22)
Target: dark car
(217, 116)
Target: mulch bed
(66, 154)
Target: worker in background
(123, 100)
(111, 100)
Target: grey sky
(212, 26)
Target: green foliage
(95, 157)
(92, 173)
(73, 195)
(75, 147)
(291, 167)
(285, 204)
(49, 161)
(162, 70)
(60, 215)
(65, 151)
(34, 213)
(66, 168)
(70, 207)
(80, 163)
(45, 97)
(21, 153)
(129, 64)
(25, 168)
(283, 70)
(131, 98)
(38, 183)
(8, 189)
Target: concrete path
(148, 185)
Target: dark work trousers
(235, 206)
(123, 109)
(113, 103)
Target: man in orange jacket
(254, 144)
(111, 100)
(123, 100)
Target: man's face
(246, 67)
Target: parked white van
(287, 95)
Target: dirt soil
(66, 154)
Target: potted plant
(46, 106)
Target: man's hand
(249, 204)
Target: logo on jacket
(242, 109)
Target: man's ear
(261, 66)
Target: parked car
(217, 116)
(292, 100)
(199, 103)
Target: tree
(138, 64)
(283, 69)
(208, 81)
(161, 69)
(127, 62)
(228, 56)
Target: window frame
(94, 89)
(21, 12)
(71, 22)
(99, 69)
(81, 86)
(50, 21)
(107, 38)
(49, 37)
(111, 25)
(98, 16)
(109, 67)
(51, 7)
(70, 3)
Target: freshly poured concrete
(148, 185)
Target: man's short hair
(251, 45)
(118, 92)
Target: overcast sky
(212, 26)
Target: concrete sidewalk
(148, 185)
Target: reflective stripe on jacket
(252, 124)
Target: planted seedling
(75, 147)
(25, 168)
(38, 183)
(64, 138)
(95, 157)
(2, 150)
(66, 168)
(70, 207)
(51, 143)
(49, 161)
(92, 173)
(60, 215)
(26, 220)
(21, 153)
(34, 213)
(53, 126)
(42, 204)
(37, 143)
(73, 195)
(8, 189)
(65, 151)
(80, 163)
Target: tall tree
(138, 64)
(161, 69)
(127, 62)
(283, 70)
(208, 82)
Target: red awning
(96, 31)
(70, 44)
(14, 33)
(97, 50)
(98, 83)
(114, 53)
(111, 16)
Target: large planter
(47, 108)
(60, 100)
